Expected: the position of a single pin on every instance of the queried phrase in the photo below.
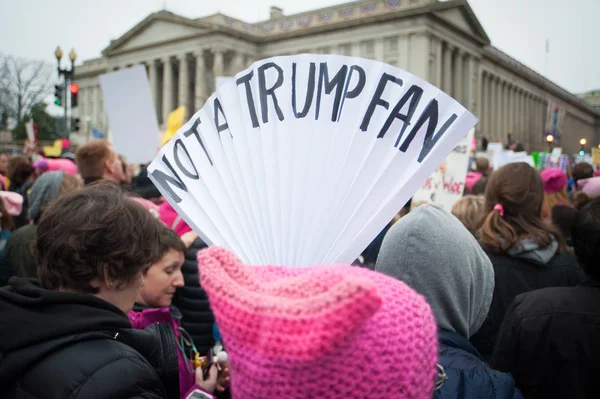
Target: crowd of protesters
(108, 293)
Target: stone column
(469, 96)
(447, 81)
(439, 51)
(201, 88)
(379, 51)
(184, 84)
(167, 88)
(238, 63)
(457, 70)
(153, 71)
(494, 108)
(218, 62)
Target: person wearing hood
(68, 335)
(452, 271)
(46, 188)
(526, 252)
(549, 337)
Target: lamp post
(68, 77)
(550, 140)
(583, 142)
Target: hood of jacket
(529, 250)
(431, 251)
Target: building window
(391, 44)
(346, 49)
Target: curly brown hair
(95, 232)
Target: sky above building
(521, 28)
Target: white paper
(446, 185)
(303, 185)
(128, 102)
(29, 129)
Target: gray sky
(33, 28)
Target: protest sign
(304, 159)
(596, 157)
(128, 102)
(446, 185)
(556, 153)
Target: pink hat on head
(13, 202)
(297, 332)
(472, 178)
(52, 165)
(590, 186)
(554, 180)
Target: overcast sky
(33, 28)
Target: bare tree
(23, 83)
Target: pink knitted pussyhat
(320, 332)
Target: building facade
(441, 42)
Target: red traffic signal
(74, 89)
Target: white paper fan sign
(303, 159)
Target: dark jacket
(192, 302)
(549, 342)
(23, 189)
(68, 345)
(468, 375)
(515, 275)
(19, 252)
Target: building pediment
(155, 29)
(460, 15)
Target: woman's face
(162, 279)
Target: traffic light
(58, 95)
(74, 89)
(75, 124)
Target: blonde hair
(552, 199)
(468, 210)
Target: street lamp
(583, 142)
(68, 77)
(550, 140)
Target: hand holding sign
(303, 159)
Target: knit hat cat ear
(297, 316)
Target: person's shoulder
(473, 377)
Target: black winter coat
(549, 342)
(515, 276)
(68, 345)
(192, 302)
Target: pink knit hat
(472, 178)
(325, 331)
(554, 180)
(590, 186)
(59, 164)
(13, 202)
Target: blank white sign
(128, 102)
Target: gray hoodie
(431, 251)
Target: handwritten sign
(304, 159)
(446, 185)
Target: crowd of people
(108, 293)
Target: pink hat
(295, 332)
(58, 164)
(590, 186)
(171, 218)
(149, 205)
(472, 178)
(13, 202)
(554, 180)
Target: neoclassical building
(442, 42)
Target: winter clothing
(19, 251)
(5, 268)
(468, 375)
(451, 269)
(446, 265)
(524, 268)
(143, 186)
(13, 202)
(64, 345)
(472, 178)
(23, 190)
(142, 316)
(45, 189)
(299, 332)
(52, 165)
(191, 300)
(554, 180)
(549, 342)
(590, 186)
(171, 218)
